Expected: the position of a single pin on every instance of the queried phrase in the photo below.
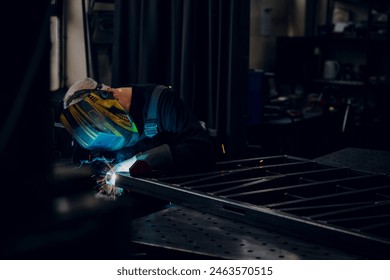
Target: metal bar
(257, 182)
(247, 171)
(228, 166)
(359, 218)
(279, 180)
(374, 226)
(327, 206)
(317, 199)
(318, 185)
(261, 161)
(349, 210)
(226, 183)
(264, 163)
(327, 172)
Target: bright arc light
(110, 178)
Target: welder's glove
(158, 158)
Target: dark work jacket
(189, 142)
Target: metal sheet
(336, 206)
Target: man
(148, 127)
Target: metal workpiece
(331, 205)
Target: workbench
(179, 232)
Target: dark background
(213, 77)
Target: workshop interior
(294, 95)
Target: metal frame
(335, 206)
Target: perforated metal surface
(375, 161)
(183, 229)
(338, 206)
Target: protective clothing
(158, 158)
(142, 164)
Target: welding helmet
(97, 121)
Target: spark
(97, 159)
(105, 178)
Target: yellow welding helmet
(98, 122)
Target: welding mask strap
(150, 126)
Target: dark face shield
(99, 122)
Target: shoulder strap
(150, 126)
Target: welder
(145, 127)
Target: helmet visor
(99, 122)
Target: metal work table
(376, 161)
(178, 229)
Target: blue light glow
(110, 178)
